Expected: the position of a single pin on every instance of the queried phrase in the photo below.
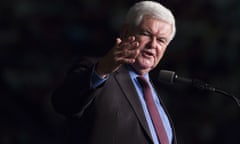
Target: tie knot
(143, 81)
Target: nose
(153, 42)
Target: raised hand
(124, 52)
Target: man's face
(153, 36)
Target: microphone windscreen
(166, 76)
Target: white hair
(153, 9)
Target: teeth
(148, 53)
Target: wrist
(100, 71)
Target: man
(104, 100)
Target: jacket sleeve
(74, 94)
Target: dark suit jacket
(109, 114)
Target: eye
(162, 40)
(145, 33)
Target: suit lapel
(124, 81)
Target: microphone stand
(236, 99)
(204, 86)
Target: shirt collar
(134, 74)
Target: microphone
(172, 78)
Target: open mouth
(147, 54)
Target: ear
(124, 32)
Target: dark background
(39, 38)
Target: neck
(139, 71)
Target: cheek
(159, 54)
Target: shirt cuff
(96, 80)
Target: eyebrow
(149, 31)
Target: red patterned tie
(156, 119)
